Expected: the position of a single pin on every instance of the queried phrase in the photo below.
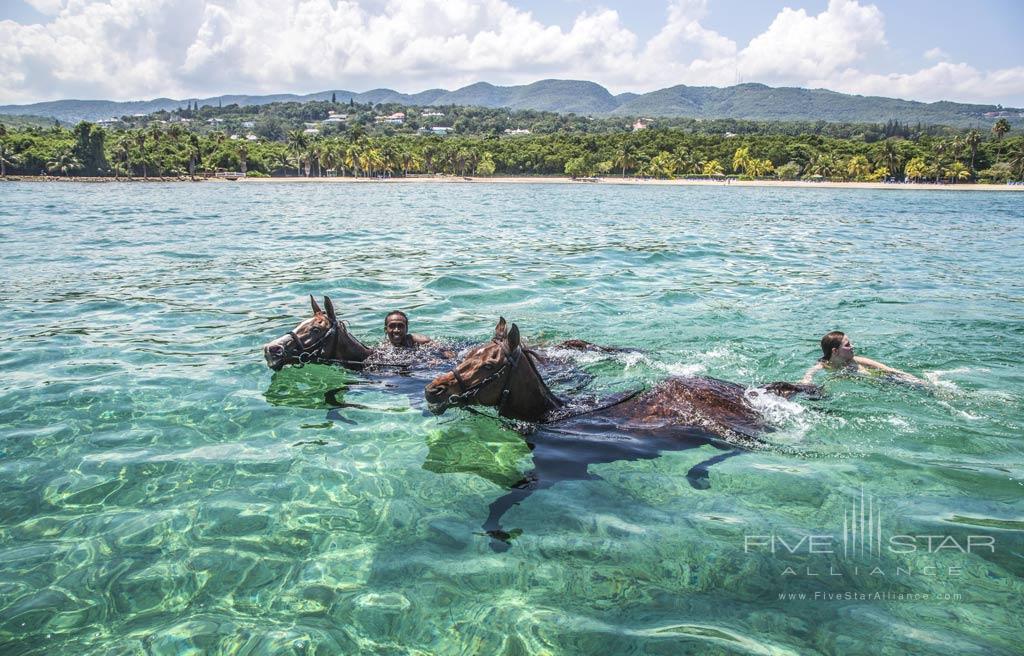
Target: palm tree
(353, 158)
(973, 140)
(888, 155)
(741, 159)
(858, 167)
(662, 165)
(688, 161)
(1000, 129)
(314, 151)
(373, 161)
(625, 156)
(1017, 160)
(759, 167)
(329, 156)
(957, 172)
(824, 164)
(298, 144)
(956, 147)
(916, 168)
(410, 161)
(712, 167)
(64, 161)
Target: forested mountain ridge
(743, 101)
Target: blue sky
(134, 49)
(987, 33)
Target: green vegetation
(348, 139)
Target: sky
(924, 50)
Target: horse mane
(532, 357)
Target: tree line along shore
(363, 145)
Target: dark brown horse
(322, 338)
(676, 414)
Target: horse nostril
(275, 350)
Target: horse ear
(513, 338)
(500, 331)
(329, 306)
(316, 308)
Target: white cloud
(797, 47)
(943, 81)
(936, 54)
(131, 49)
(47, 7)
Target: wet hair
(399, 313)
(830, 343)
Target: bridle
(314, 352)
(469, 393)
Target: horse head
(321, 338)
(500, 374)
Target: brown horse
(676, 414)
(322, 338)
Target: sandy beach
(611, 180)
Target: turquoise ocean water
(163, 492)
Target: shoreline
(612, 180)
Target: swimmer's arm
(874, 364)
(809, 376)
(423, 340)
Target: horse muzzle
(438, 399)
(276, 356)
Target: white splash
(791, 418)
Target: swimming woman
(837, 354)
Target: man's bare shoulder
(419, 340)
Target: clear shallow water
(154, 497)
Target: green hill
(760, 102)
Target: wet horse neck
(347, 347)
(529, 398)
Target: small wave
(633, 359)
(935, 378)
(963, 414)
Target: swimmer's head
(836, 346)
(396, 326)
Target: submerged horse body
(676, 414)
